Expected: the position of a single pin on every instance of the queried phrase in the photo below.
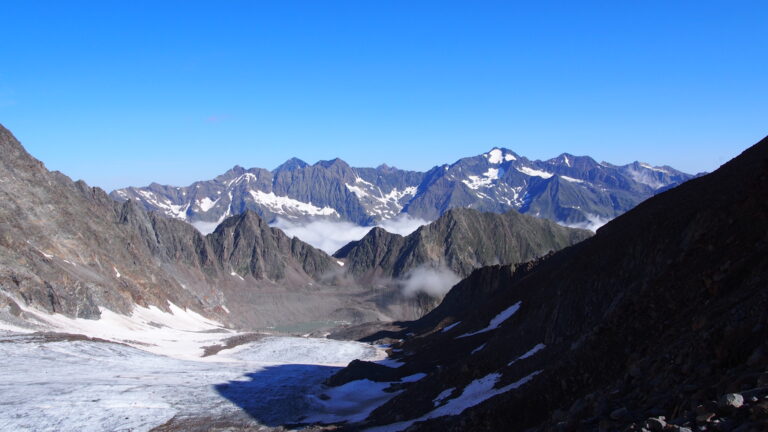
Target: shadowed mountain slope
(661, 313)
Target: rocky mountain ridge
(572, 190)
(460, 240)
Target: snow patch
(494, 156)
(442, 396)
(530, 353)
(179, 333)
(413, 378)
(571, 179)
(534, 172)
(497, 320)
(353, 402)
(448, 328)
(653, 168)
(178, 211)
(206, 204)
(476, 182)
(478, 349)
(358, 191)
(476, 392)
(285, 205)
(117, 273)
(390, 363)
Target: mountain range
(572, 190)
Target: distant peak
(499, 155)
(237, 169)
(292, 164)
(330, 163)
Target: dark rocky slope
(460, 240)
(655, 322)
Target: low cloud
(323, 234)
(433, 281)
(205, 228)
(592, 223)
(402, 224)
(330, 236)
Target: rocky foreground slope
(658, 322)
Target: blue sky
(125, 93)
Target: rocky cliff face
(461, 240)
(656, 322)
(573, 190)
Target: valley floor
(65, 382)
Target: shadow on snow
(277, 395)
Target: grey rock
(731, 401)
(655, 424)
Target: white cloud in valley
(593, 223)
(330, 236)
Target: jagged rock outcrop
(656, 322)
(251, 247)
(460, 240)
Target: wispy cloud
(429, 280)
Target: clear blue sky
(127, 92)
